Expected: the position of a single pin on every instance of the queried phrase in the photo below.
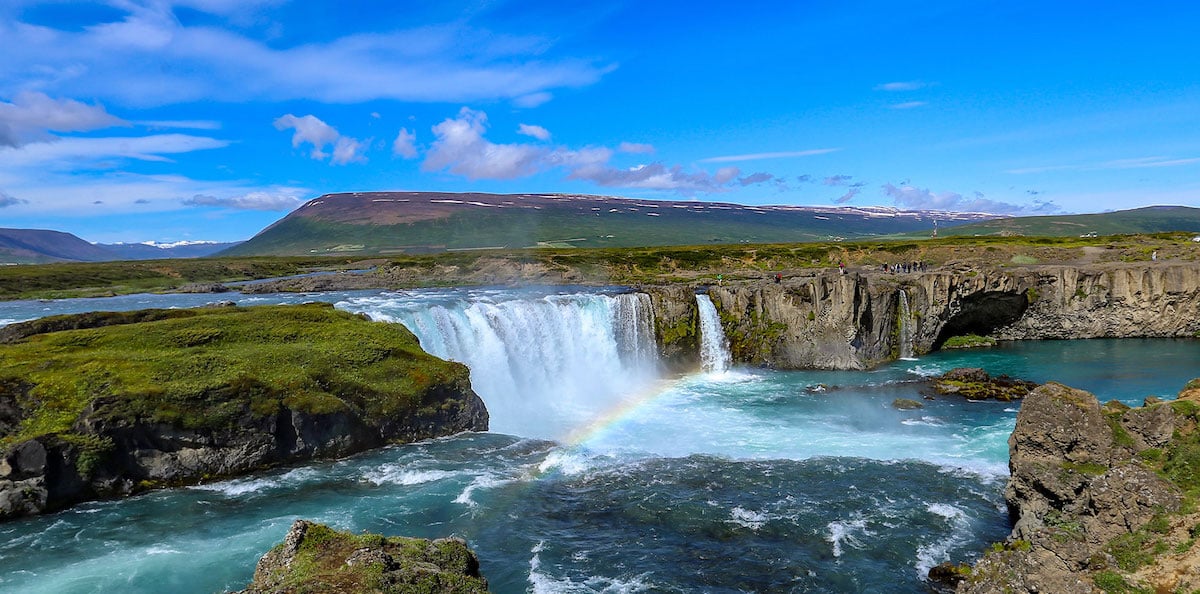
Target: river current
(602, 475)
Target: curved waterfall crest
(544, 364)
(714, 347)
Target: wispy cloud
(311, 130)
(837, 180)
(1134, 163)
(532, 131)
(276, 200)
(6, 200)
(31, 116)
(906, 196)
(908, 105)
(777, 155)
(74, 152)
(848, 196)
(635, 147)
(180, 124)
(149, 56)
(904, 85)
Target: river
(602, 475)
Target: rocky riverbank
(1103, 497)
(108, 404)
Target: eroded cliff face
(858, 320)
(1097, 497)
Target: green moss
(214, 367)
(1132, 551)
(1112, 582)
(395, 565)
(1088, 468)
(968, 341)
(1120, 436)
(1032, 295)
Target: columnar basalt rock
(851, 321)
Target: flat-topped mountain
(1149, 219)
(415, 222)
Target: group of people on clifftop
(906, 267)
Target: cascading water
(905, 338)
(714, 347)
(543, 366)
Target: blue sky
(209, 119)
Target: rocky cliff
(861, 319)
(316, 558)
(1103, 498)
(108, 404)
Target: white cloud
(537, 132)
(905, 85)
(276, 200)
(150, 57)
(906, 196)
(908, 105)
(778, 155)
(311, 130)
(461, 148)
(348, 150)
(635, 147)
(405, 144)
(32, 115)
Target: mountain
(35, 246)
(39, 246)
(417, 222)
(1150, 219)
(160, 251)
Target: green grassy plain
(642, 265)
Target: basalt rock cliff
(861, 319)
(1103, 498)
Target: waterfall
(543, 365)
(714, 348)
(906, 348)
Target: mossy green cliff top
(105, 403)
(316, 558)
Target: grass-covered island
(316, 558)
(107, 404)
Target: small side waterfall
(714, 347)
(542, 365)
(906, 347)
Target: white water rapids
(714, 347)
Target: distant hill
(40, 246)
(1151, 219)
(418, 222)
(35, 246)
(158, 251)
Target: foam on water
(841, 532)
(933, 553)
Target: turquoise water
(747, 481)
